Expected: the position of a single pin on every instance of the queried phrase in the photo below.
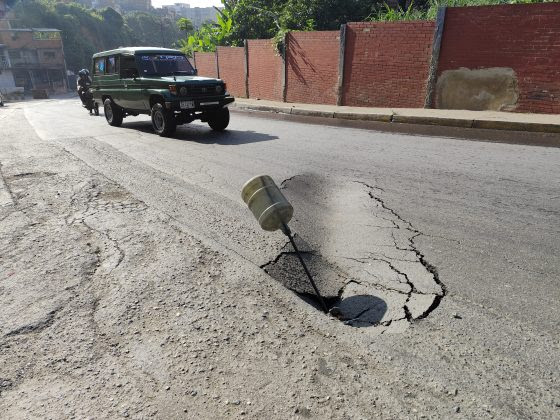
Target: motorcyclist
(83, 84)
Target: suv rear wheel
(113, 113)
(163, 120)
(219, 120)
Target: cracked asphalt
(135, 283)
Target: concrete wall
(312, 67)
(520, 44)
(232, 69)
(386, 64)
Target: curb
(407, 119)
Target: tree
(86, 31)
(185, 25)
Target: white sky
(193, 3)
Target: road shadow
(204, 135)
(360, 310)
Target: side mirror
(195, 72)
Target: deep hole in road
(358, 311)
(374, 283)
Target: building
(121, 6)
(32, 59)
(197, 15)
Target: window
(164, 65)
(111, 65)
(14, 54)
(128, 67)
(49, 55)
(99, 66)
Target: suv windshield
(163, 65)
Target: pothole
(355, 310)
(370, 272)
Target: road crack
(36, 326)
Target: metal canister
(267, 203)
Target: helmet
(83, 73)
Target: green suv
(159, 82)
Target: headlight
(173, 89)
(183, 91)
(219, 88)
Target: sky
(193, 3)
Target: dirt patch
(492, 89)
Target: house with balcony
(34, 58)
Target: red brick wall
(386, 64)
(312, 67)
(265, 70)
(524, 37)
(232, 69)
(206, 64)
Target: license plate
(186, 104)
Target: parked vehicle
(1, 99)
(159, 82)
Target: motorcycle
(86, 96)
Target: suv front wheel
(219, 120)
(163, 120)
(113, 113)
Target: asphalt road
(444, 252)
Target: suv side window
(99, 66)
(128, 68)
(111, 65)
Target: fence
(503, 57)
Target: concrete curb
(394, 117)
(516, 126)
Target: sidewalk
(544, 123)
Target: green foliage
(210, 34)
(262, 19)
(86, 31)
(429, 9)
(389, 14)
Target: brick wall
(206, 64)
(386, 64)
(525, 38)
(312, 67)
(232, 69)
(265, 70)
